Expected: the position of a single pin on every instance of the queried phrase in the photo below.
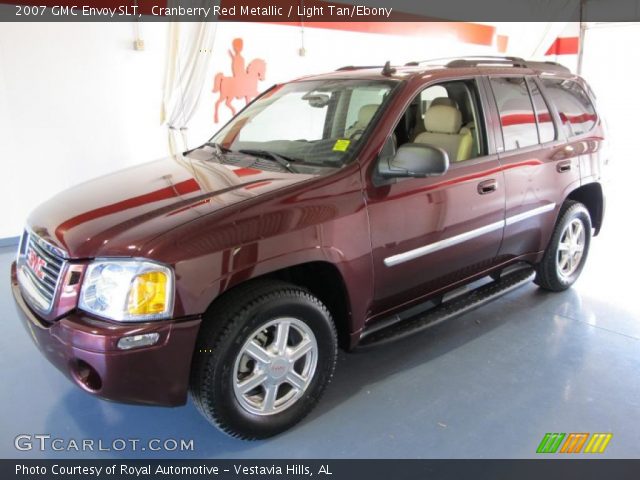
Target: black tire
(548, 275)
(227, 326)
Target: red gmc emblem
(36, 263)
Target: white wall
(326, 50)
(76, 101)
(612, 68)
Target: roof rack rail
(357, 67)
(473, 59)
(490, 60)
(486, 61)
(548, 66)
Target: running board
(449, 309)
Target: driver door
(429, 233)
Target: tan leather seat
(418, 128)
(471, 126)
(443, 101)
(443, 129)
(365, 114)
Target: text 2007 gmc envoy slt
(341, 209)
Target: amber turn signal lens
(148, 294)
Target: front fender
(241, 265)
(324, 222)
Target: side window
(428, 95)
(363, 104)
(546, 128)
(574, 107)
(448, 116)
(516, 112)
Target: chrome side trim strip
(463, 237)
(446, 243)
(530, 213)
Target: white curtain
(188, 58)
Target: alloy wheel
(570, 248)
(275, 366)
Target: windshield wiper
(280, 159)
(217, 147)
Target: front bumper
(85, 350)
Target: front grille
(40, 267)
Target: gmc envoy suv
(341, 210)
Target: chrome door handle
(564, 167)
(487, 186)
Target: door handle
(487, 186)
(564, 166)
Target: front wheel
(567, 251)
(264, 357)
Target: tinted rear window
(545, 124)
(574, 107)
(518, 121)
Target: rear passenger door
(577, 119)
(539, 169)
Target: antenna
(388, 70)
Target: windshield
(317, 122)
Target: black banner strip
(584, 469)
(319, 11)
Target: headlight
(127, 290)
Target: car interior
(445, 116)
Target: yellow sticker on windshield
(341, 145)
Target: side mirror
(414, 160)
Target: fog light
(135, 341)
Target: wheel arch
(592, 197)
(323, 279)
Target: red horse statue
(243, 83)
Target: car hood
(115, 215)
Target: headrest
(443, 119)
(366, 113)
(443, 101)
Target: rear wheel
(567, 251)
(264, 357)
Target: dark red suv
(340, 209)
